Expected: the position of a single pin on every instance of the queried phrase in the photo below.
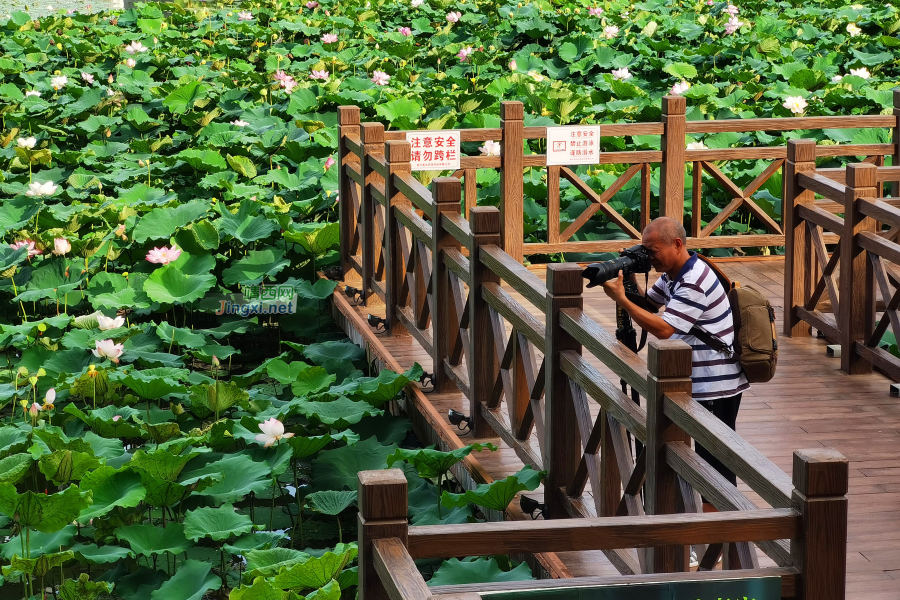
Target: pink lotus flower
(323, 75)
(595, 12)
(329, 163)
(130, 62)
(245, 15)
(464, 53)
(329, 38)
(732, 10)
(105, 323)
(108, 349)
(289, 85)
(116, 418)
(380, 78)
(61, 246)
(272, 432)
(490, 148)
(312, 5)
(88, 78)
(680, 88)
(32, 251)
(454, 17)
(281, 76)
(512, 65)
(406, 31)
(733, 25)
(164, 255)
(610, 32)
(239, 123)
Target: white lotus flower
(32, 93)
(837, 78)
(796, 104)
(853, 30)
(536, 76)
(490, 148)
(59, 82)
(130, 62)
(38, 190)
(697, 146)
(621, 74)
(108, 349)
(272, 431)
(105, 323)
(610, 31)
(680, 88)
(863, 72)
(87, 77)
(239, 123)
(61, 246)
(28, 142)
(135, 47)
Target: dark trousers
(726, 409)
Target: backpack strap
(711, 341)
(720, 275)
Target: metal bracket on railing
(377, 323)
(530, 506)
(457, 418)
(354, 294)
(429, 377)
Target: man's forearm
(648, 322)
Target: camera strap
(711, 341)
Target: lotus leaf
(337, 414)
(149, 540)
(497, 495)
(337, 469)
(161, 223)
(216, 523)
(46, 513)
(270, 562)
(111, 488)
(191, 582)
(256, 266)
(41, 543)
(259, 590)
(83, 588)
(101, 554)
(313, 573)
(478, 570)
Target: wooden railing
(815, 524)
(360, 141)
(863, 256)
(522, 364)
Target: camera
(631, 260)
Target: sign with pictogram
(573, 145)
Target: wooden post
(799, 262)
(820, 488)
(482, 364)
(383, 509)
(397, 155)
(669, 363)
(370, 233)
(857, 282)
(562, 443)
(671, 174)
(895, 158)
(444, 322)
(348, 124)
(512, 153)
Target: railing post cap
(801, 150)
(348, 115)
(484, 219)
(861, 175)
(382, 494)
(564, 279)
(674, 105)
(669, 358)
(372, 133)
(398, 151)
(447, 190)
(512, 110)
(821, 472)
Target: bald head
(666, 230)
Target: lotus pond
(162, 163)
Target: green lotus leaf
(337, 414)
(497, 495)
(41, 543)
(259, 590)
(101, 554)
(83, 588)
(337, 469)
(10, 257)
(64, 466)
(203, 160)
(478, 570)
(434, 463)
(260, 540)
(12, 439)
(330, 591)
(283, 372)
(244, 225)
(180, 336)
(56, 280)
(43, 512)
(148, 540)
(183, 98)
(310, 381)
(14, 467)
(320, 290)
(38, 567)
(315, 238)
(242, 165)
(402, 107)
(331, 502)
(269, 562)
(161, 223)
(144, 195)
(237, 476)
(216, 397)
(314, 572)
(169, 285)
(216, 523)
(111, 290)
(14, 217)
(148, 385)
(256, 266)
(302, 447)
(191, 582)
(111, 488)
(160, 463)
(384, 388)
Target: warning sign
(434, 150)
(573, 145)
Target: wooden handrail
(876, 244)
(604, 533)
(378, 193)
(415, 192)
(598, 341)
(789, 123)
(354, 144)
(458, 227)
(737, 454)
(457, 263)
(822, 218)
(632, 416)
(516, 314)
(516, 275)
(378, 164)
(880, 210)
(397, 571)
(354, 173)
(822, 186)
(419, 227)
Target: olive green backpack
(755, 338)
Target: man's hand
(615, 289)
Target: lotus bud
(35, 410)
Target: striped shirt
(696, 299)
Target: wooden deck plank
(809, 403)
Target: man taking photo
(693, 297)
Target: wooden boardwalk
(810, 403)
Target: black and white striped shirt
(696, 298)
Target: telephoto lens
(632, 260)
